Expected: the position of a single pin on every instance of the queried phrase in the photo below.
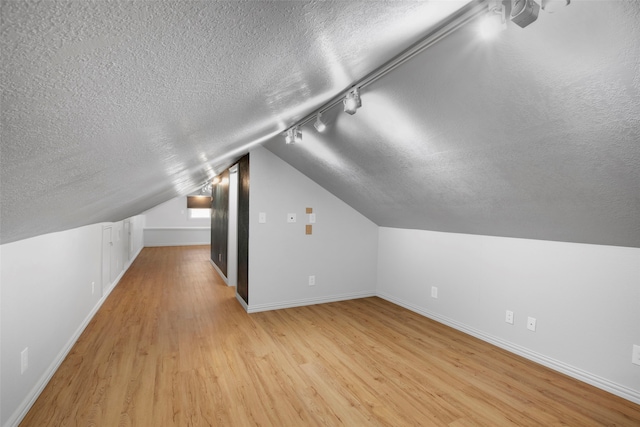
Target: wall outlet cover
(531, 323)
(509, 317)
(312, 280)
(434, 292)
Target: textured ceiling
(535, 134)
(110, 108)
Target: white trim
(160, 245)
(33, 395)
(309, 301)
(177, 228)
(556, 365)
(219, 271)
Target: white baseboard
(242, 302)
(222, 276)
(33, 395)
(556, 365)
(308, 301)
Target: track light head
(319, 124)
(352, 101)
(294, 135)
(524, 12)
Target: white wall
(47, 301)
(586, 298)
(168, 224)
(341, 252)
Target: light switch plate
(24, 360)
(312, 218)
(531, 323)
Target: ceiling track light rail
(464, 15)
(522, 13)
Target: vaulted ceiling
(110, 108)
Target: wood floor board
(171, 346)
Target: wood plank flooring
(172, 347)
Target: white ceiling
(110, 108)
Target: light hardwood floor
(172, 347)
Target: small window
(199, 213)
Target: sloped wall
(585, 298)
(51, 288)
(341, 251)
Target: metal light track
(460, 18)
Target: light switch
(312, 218)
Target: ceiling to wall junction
(110, 108)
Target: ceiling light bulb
(319, 125)
(494, 22)
(352, 101)
(552, 6)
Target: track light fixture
(319, 124)
(294, 135)
(352, 101)
(524, 12)
(206, 188)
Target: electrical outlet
(635, 355)
(24, 360)
(312, 280)
(434, 292)
(509, 317)
(531, 323)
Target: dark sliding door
(220, 222)
(243, 229)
